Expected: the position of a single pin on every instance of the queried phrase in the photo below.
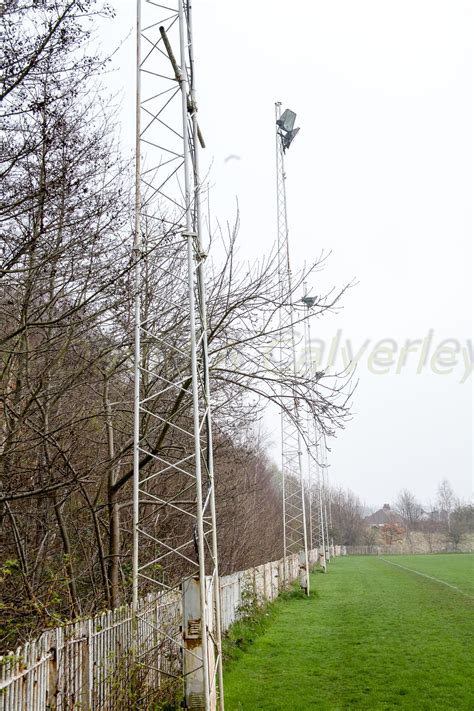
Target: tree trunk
(113, 565)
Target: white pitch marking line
(430, 577)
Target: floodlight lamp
(287, 120)
(287, 139)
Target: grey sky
(380, 174)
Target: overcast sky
(380, 175)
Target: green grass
(243, 633)
(374, 637)
(454, 568)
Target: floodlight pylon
(295, 538)
(174, 510)
(326, 499)
(317, 526)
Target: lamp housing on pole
(287, 132)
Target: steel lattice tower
(317, 522)
(295, 538)
(174, 517)
(326, 498)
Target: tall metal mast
(326, 499)
(317, 523)
(174, 514)
(295, 538)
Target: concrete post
(193, 670)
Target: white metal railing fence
(88, 664)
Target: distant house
(383, 516)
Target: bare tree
(347, 517)
(446, 501)
(409, 508)
(66, 338)
(64, 206)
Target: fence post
(86, 691)
(52, 683)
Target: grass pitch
(375, 635)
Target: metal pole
(321, 539)
(170, 136)
(288, 322)
(197, 138)
(324, 477)
(199, 517)
(300, 465)
(321, 508)
(137, 249)
(283, 491)
(279, 177)
(282, 420)
(308, 373)
(210, 449)
(331, 543)
(310, 496)
(194, 371)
